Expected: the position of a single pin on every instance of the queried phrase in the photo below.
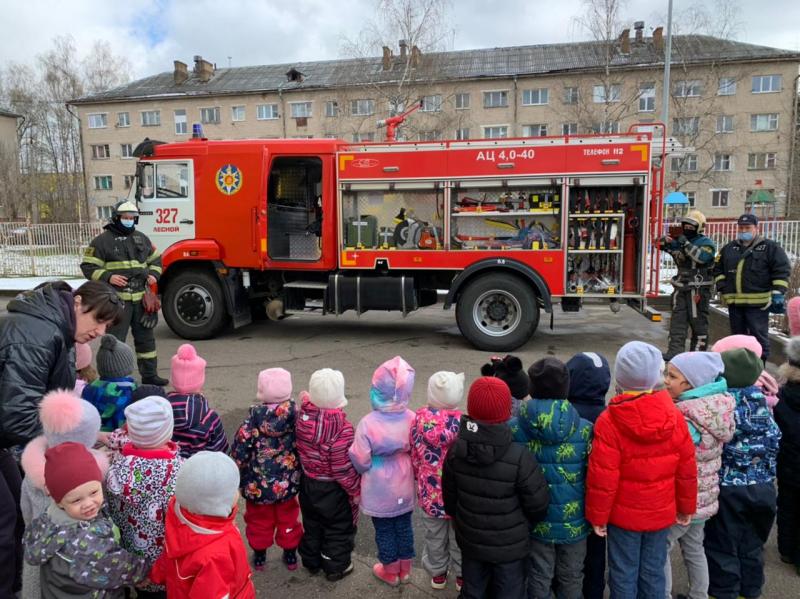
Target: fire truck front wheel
(194, 306)
(497, 312)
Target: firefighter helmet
(126, 207)
(694, 218)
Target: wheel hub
(497, 313)
(193, 304)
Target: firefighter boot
(148, 368)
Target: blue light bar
(197, 131)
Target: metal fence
(44, 250)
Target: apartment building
(731, 103)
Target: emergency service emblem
(229, 179)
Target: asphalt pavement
(430, 341)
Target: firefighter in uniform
(125, 258)
(693, 254)
(752, 275)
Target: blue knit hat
(699, 367)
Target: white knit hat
(445, 390)
(150, 422)
(207, 484)
(326, 389)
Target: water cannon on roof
(393, 122)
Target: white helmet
(126, 207)
(694, 218)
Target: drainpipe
(792, 146)
(514, 123)
(83, 167)
(283, 109)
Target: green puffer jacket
(560, 439)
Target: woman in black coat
(37, 340)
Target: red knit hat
(489, 400)
(68, 466)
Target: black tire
(194, 306)
(497, 312)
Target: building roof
(443, 66)
(8, 113)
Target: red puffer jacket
(204, 556)
(642, 469)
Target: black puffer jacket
(36, 356)
(787, 415)
(494, 490)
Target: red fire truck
(508, 227)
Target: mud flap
(237, 299)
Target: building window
(647, 97)
(766, 84)
(104, 212)
(725, 123)
(534, 130)
(151, 118)
(762, 161)
(605, 94)
(98, 121)
(688, 89)
(331, 108)
(684, 164)
(692, 197)
(462, 134)
(719, 198)
(606, 127)
(570, 95)
(431, 103)
(498, 99)
(723, 162)
(535, 97)
(300, 110)
(209, 116)
(362, 107)
(462, 101)
(128, 181)
(100, 152)
(266, 112)
(126, 150)
(102, 182)
(495, 132)
(364, 136)
(181, 127)
(569, 129)
(430, 135)
(123, 119)
(686, 126)
(237, 113)
(727, 86)
(764, 122)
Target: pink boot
(388, 573)
(405, 570)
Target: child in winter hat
(381, 452)
(553, 431)
(433, 432)
(330, 487)
(766, 382)
(787, 416)
(509, 370)
(265, 449)
(747, 485)
(495, 491)
(640, 431)
(141, 480)
(113, 391)
(85, 372)
(694, 380)
(204, 555)
(197, 426)
(72, 542)
(64, 417)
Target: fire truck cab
(506, 227)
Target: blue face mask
(745, 236)
(128, 224)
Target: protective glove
(777, 303)
(682, 240)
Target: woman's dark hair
(102, 300)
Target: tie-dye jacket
(433, 432)
(749, 458)
(560, 439)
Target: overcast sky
(153, 33)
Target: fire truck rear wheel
(497, 312)
(194, 306)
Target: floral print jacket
(433, 432)
(265, 449)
